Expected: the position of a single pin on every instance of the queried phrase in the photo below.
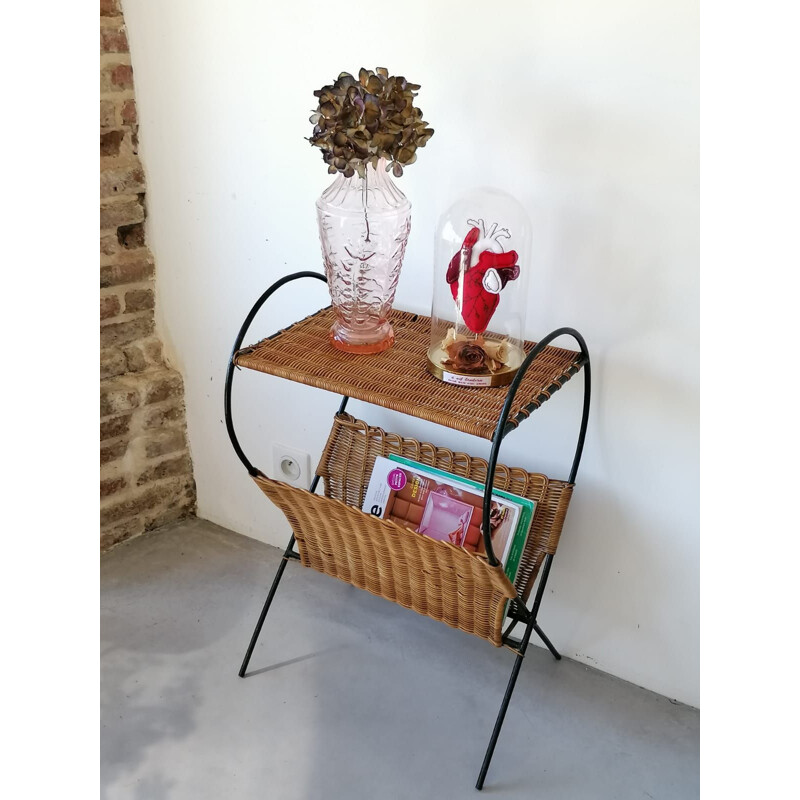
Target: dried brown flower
(361, 121)
(466, 356)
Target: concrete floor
(349, 696)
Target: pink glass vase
(363, 229)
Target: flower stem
(365, 198)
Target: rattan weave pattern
(433, 578)
(350, 453)
(397, 378)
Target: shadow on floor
(348, 695)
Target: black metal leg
(487, 759)
(537, 601)
(549, 644)
(267, 604)
(504, 427)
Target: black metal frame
(520, 612)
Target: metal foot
(549, 644)
(289, 551)
(487, 759)
(267, 604)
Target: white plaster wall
(587, 111)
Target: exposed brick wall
(145, 467)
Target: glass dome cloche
(480, 290)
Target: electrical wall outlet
(291, 466)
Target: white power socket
(291, 466)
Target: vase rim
(382, 195)
(321, 204)
(380, 169)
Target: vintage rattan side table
(335, 537)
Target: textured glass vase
(363, 229)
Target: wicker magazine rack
(447, 583)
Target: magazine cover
(446, 507)
(508, 543)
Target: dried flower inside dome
(474, 356)
(358, 122)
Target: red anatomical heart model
(483, 279)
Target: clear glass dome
(480, 290)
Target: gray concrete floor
(349, 696)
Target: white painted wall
(587, 111)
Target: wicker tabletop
(398, 379)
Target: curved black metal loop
(237, 345)
(503, 426)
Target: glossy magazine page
(447, 507)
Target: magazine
(447, 507)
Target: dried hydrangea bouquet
(367, 128)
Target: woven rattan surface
(398, 378)
(434, 578)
